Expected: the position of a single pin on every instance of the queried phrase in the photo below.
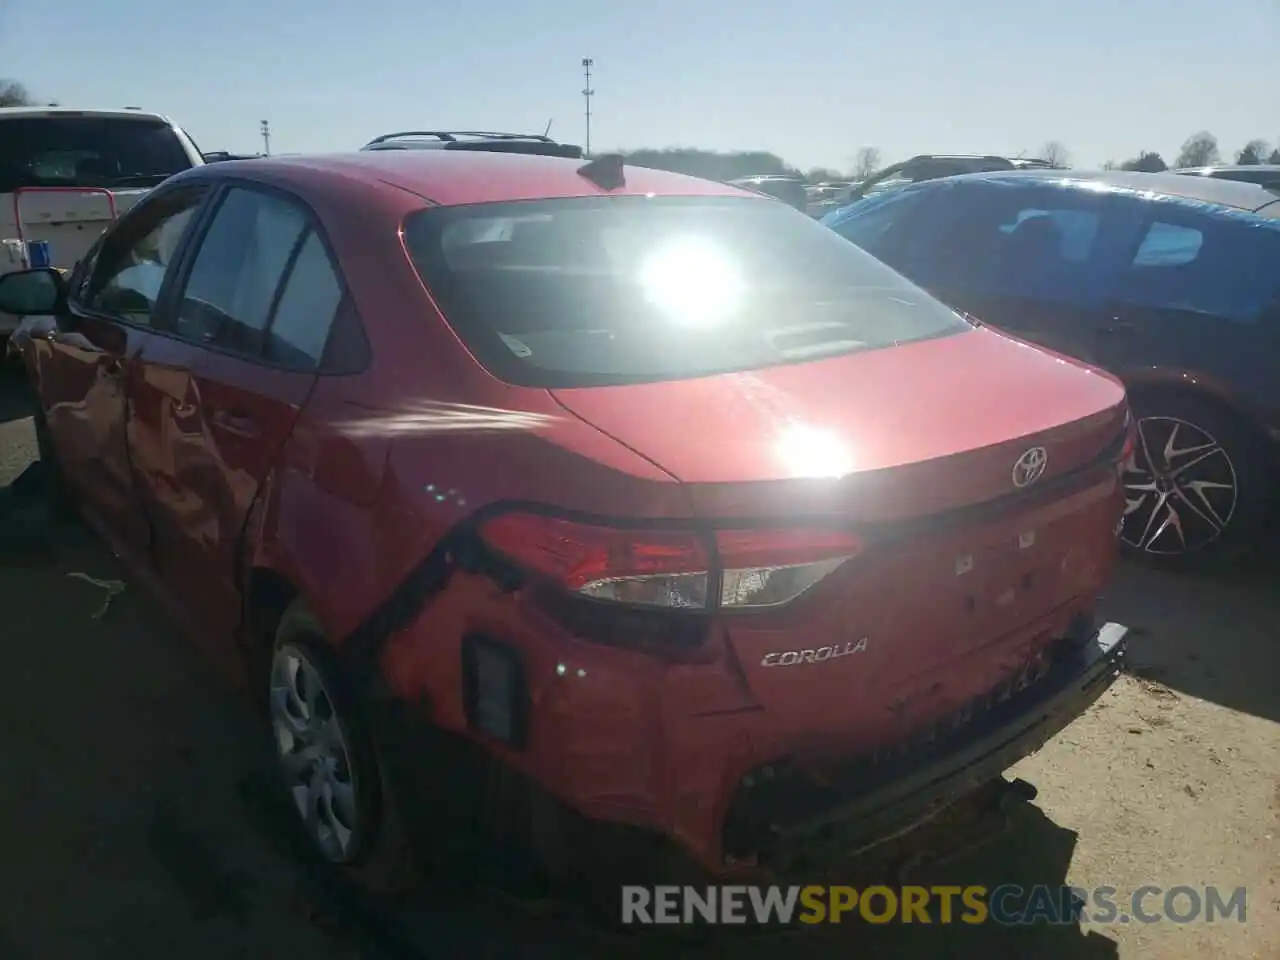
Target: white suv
(121, 154)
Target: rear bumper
(778, 821)
(782, 820)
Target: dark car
(1263, 174)
(1171, 282)
(581, 500)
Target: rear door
(87, 361)
(1200, 292)
(226, 379)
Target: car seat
(1035, 243)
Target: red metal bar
(22, 191)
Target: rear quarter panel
(382, 462)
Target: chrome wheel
(313, 749)
(1180, 488)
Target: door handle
(236, 422)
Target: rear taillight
(673, 569)
(765, 568)
(666, 568)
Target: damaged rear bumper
(781, 819)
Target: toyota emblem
(1029, 467)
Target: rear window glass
(592, 291)
(1076, 230)
(57, 151)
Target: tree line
(1200, 150)
(14, 94)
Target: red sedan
(541, 497)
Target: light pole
(587, 94)
(266, 138)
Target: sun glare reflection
(693, 281)
(813, 452)
(430, 417)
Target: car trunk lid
(889, 434)
(973, 556)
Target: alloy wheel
(1180, 488)
(313, 748)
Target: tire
(1209, 502)
(306, 695)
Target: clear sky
(812, 82)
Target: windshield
(60, 151)
(596, 291)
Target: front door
(87, 360)
(225, 379)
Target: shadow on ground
(1215, 637)
(1031, 851)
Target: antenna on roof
(605, 171)
(547, 132)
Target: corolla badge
(1029, 467)
(793, 658)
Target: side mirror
(27, 292)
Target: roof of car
(448, 177)
(1227, 168)
(1227, 193)
(134, 112)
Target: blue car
(1170, 282)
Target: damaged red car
(544, 500)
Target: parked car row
(820, 199)
(660, 516)
(1264, 174)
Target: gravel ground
(135, 825)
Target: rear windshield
(596, 291)
(56, 151)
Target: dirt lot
(135, 828)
